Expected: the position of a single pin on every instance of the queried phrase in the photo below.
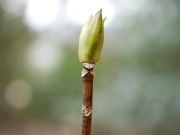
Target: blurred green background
(136, 84)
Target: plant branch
(87, 75)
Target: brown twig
(87, 75)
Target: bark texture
(87, 101)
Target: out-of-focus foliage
(14, 38)
(136, 85)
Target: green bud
(91, 39)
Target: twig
(87, 75)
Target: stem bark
(87, 75)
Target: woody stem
(87, 75)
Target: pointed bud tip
(99, 12)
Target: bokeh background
(136, 84)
